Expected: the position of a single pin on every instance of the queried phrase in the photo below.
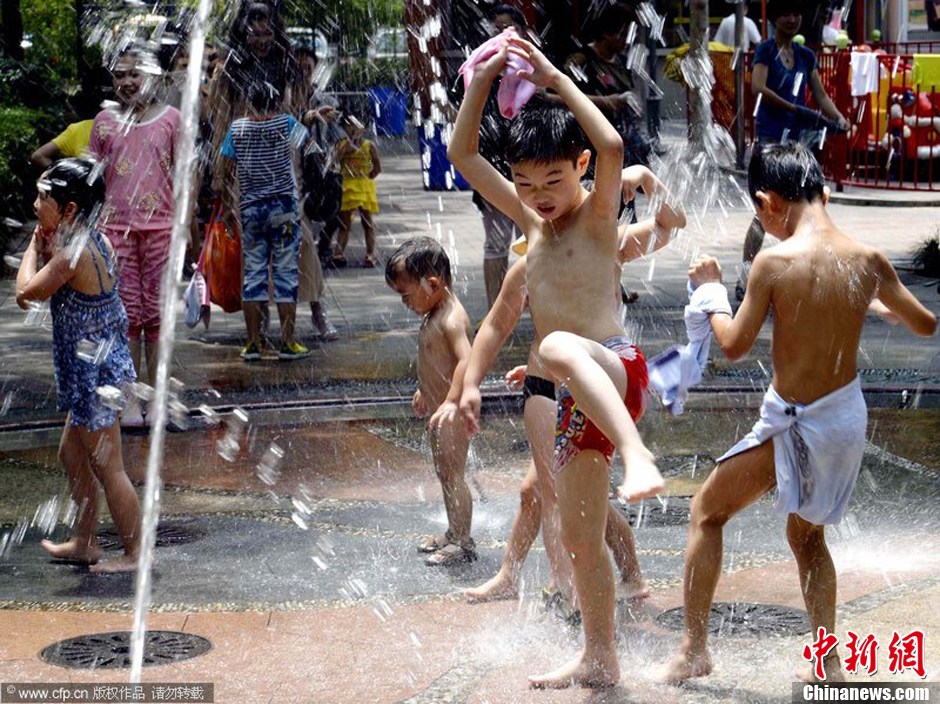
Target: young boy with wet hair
(419, 271)
(572, 270)
(537, 494)
(810, 438)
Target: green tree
(52, 28)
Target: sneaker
(294, 350)
(251, 352)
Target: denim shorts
(270, 242)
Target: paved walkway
(376, 353)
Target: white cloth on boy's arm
(675, 371)
(818, 449)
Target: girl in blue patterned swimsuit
(71, 263)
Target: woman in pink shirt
(136, 144)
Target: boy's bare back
(819, 284)
(437, 357)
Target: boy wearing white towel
(811, 434)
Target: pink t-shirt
(138, 172)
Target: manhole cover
(112, 651)
(168, 533)
(744, 620)
(654, 514)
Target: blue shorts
(270, 241)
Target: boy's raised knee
(555, 349)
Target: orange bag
(223, 263)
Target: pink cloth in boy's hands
(514, 91)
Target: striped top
(261, 149)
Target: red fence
(894, 142)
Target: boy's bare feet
(125, 563)
(500, 586)
(633, 589)
(642, 479)
(593, 673)
(683, 667)
(831, 664)
(71, 551)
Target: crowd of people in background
(333, 164)
(133, 135)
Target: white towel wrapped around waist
(818, 450)
(675, 371)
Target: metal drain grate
(653, 514)
(112, 651)
(742, 619)
(169, 533)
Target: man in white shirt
(725, 33)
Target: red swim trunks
(574, 431)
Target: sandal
(557, 603)
(370, 262)
(452, 554)
(433, 543)
(338, 261)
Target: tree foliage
(51, 27)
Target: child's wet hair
(513, 13)
(790, 170)
(264, 97)
(79, 181)
(543, 133)
(418, 258)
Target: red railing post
(843, 100)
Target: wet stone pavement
(322, 567)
